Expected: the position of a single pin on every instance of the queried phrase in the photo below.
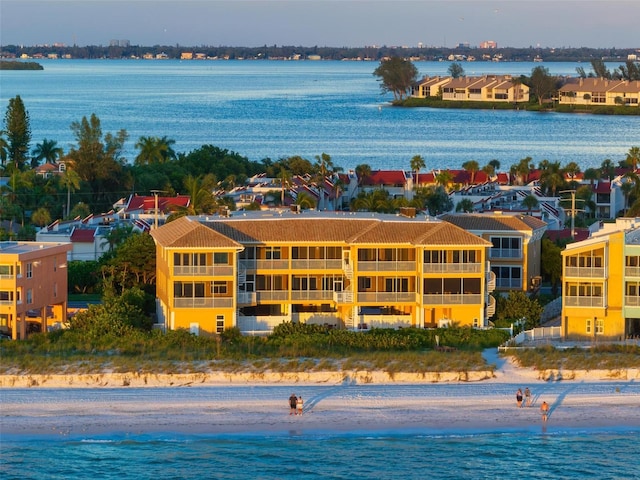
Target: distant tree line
(375, 53)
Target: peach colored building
(33, 286)
(599, 91)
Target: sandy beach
(362, 401)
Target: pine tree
(18, 133)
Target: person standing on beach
(300, 405)
(519, 398)
(527, 397)
(544, 410)
(293, 401)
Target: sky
(331, 23)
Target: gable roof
(185, 232)
(495, 222)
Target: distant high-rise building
(489, 44)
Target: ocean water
(275, 109)
(297, 453)
(575, 455)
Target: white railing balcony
(508, 282)
(248, 264)
(505, 253)
(451, 267)
(451, 299)
(364, 266)
(381, 297)
(589, 272)
(272, 264)
(312, 295)
(575, 301)
(345, 296)
(203, 302)
(271, 295)
(203, 270)
(631, 301)
(316, 264)
(247, 298)
(628, 272)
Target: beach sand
(361, 401)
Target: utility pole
(573, 211)
(155, 194)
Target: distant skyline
(331, 23)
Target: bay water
(275, 109)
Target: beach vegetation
(591, 357)
(17, 129)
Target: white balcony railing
(316, 264)
(380, 297)
(575, 301)
(312, 295)
(592, 272)
(451, 267)
(345, 296)
(451, 299)
(203, 302)
(505, 253)
(364, 266)
(203, 270)
(628, 271)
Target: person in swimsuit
(293, 401)
(300, 404)
(527, 397)
(544, 410)
(519, 398)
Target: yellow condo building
(601, 284)
(256, 270)
(33, 286)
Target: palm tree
(48, 151)
(444, 178)
(154, 150)
(71, 180)
(362, 171)
(629, 187)
(633, 157)
(324, 167)
(551, 176)
(471, 167)
(285, 181)
(592, 174)
(417, 163)
(201, 198)
(530, 202)
(607, 168)
(305, 201)
(523, 168)
(465, 205)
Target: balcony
(452, 299)
(203, 302)
(628, 271)
(508, 282)
(272, 295)
(386, 297)
(312, 295)
(364, 266)
(345, 296)
(203, 271)
(451, 267)
(495, 253)
(586, 272)
(265, 264)
(583, 301)
(632, 301)
(316, 264)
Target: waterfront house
(487, 88)
(599, 91)
(255, 270)
(601, 283)
(516, 242)
(33, 286)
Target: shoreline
(125, 406)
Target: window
(364, 284)
(219, 288)
(273, 253)
(55, 290)
(29, 270)
(6, 270)
(588, 326)
(55, 264)
(6, 296)
(599, 326)
(29, 296)
(221, 258)
(219, 323)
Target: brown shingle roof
(480, 222)
(188, 233)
